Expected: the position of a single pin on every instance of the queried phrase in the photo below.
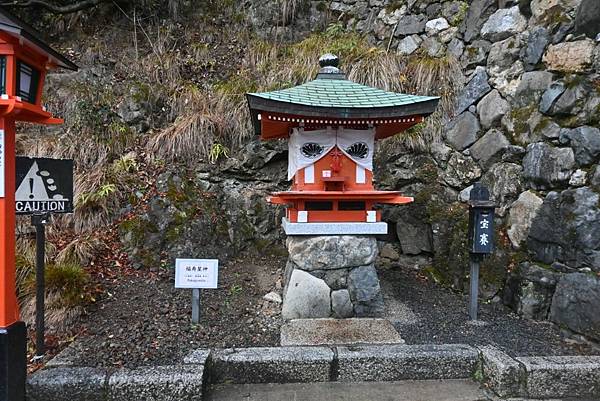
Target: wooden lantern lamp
(24, 61)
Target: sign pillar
(481, 238)
(13, 336)
(39, 221)
(474, 288)
(196, 305)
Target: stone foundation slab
(339, 331)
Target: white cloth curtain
(348, 137)
(327, 139)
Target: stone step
(339, 332)
(535, 377)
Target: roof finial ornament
(329, 64)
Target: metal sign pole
(39, 221)
(474, 290)
(196, 304)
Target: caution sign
(44, 185)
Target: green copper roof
(331, 95)
(340, 93)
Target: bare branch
(66, 9)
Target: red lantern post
(24, 61)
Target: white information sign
(196, 273)
(2, 163)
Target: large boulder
(478, 13)
(570, 56)
(491, 109)
(414, 232)
(566, 229)
(490, 147)
(521, 215)
(409, 44)
(435, 26)
(463, 131)
(544, 9)
(504, 23)
(503, 54)
(461, 170)
(341, 305)
(585, 141)
(522, 125)
(476, 88)
(411, 24)
(529, 291)
(545, 166)
(538, 39)
(365, 292)
(576, 304)
(551, 96)
(506, 80)
(532, 86)
(505, 182)
(587, 20)
(408, 168)
(572, 101)
(475, 54)
(306, 297)
(331, 251)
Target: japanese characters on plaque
(196, 273)
(483, 231)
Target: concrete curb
(540, 377)
(402, 362)
(535, 377)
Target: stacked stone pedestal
(331, 276)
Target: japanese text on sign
(483, 232)
(196, 273)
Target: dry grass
(82, 248)
(66, 282)
(219, 115)
(65, 295)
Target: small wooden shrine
(332, 124)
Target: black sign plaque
(44, 185)
(483, 231)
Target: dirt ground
(147, 321)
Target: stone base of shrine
(331, 276)
(340, 228)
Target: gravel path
(424, 313)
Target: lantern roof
(331, 95)
(16, 27)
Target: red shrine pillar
(13, 338)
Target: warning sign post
(44, 186)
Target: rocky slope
(526, 124)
